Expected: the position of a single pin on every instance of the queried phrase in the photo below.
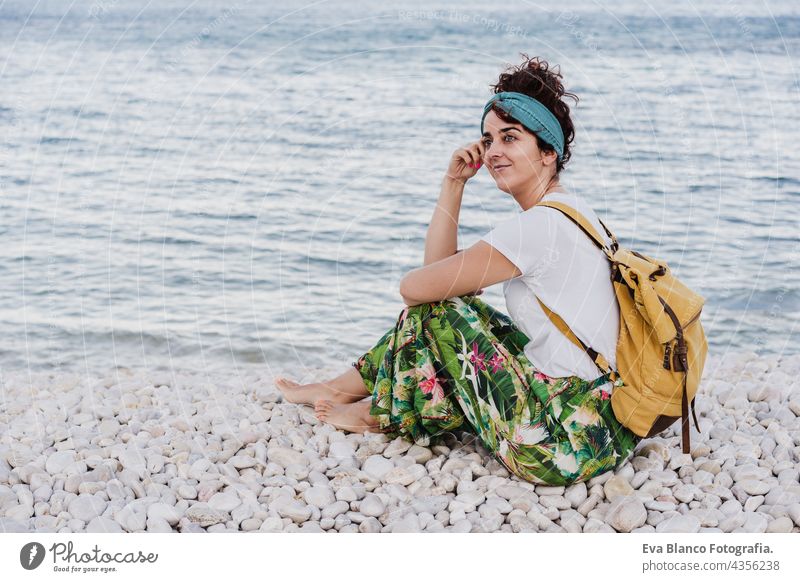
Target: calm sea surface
(223, 185)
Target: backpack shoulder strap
(582, 222)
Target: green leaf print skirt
(460, 360)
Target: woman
(537, 401)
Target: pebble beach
(168, 452)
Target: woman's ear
(549, 157)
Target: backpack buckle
(680, 363)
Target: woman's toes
(285, 381)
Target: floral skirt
(460, 360)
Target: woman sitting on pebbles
(536, 400)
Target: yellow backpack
(661, 349)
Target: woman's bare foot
(353, 417)
(308, 393)
(346, 388)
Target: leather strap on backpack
(681, 357)
(685, 407)
(685, 418)
(614, 243)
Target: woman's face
(513, 157)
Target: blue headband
(530, 113)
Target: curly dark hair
(535, 78)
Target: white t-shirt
(572, 277)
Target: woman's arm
(442, 238)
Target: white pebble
(102, 524)
(284, 456)
(626, 514)
(224, 502)
(576, 494)
(780, 525)
(679, 524)
(409, 524)
(86, 507)
(754, 487)
(372, 506)
(377, 466)
(295, 510)
(59, 461)
(319, 496)
(164, 512)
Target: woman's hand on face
(466, 161)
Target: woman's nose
(489, 155)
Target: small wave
(212, 216)
(166, 240)
(778, 180)
(227, 181)
(55, 140)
